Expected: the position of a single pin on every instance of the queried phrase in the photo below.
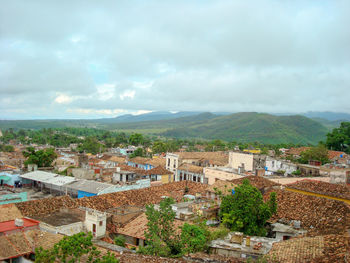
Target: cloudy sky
(88, 59)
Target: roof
(116, 159)
(89, 186)
(137, 227)
(191, 168)
(141, 197)
(10, 225)
(62, 217)
(319, 187)
(46, 205)
(257, 181)
(39, 176)
(329, 248)
(152, 161)
(319, 216)
(335, 154)
(221, 185)
(297, 151)
(9, 212)
(22, 243)
(217, 158)
(159, 170)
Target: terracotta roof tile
(191, 168)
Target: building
(212, 174)
(275, 165)
(246, 161)
(146, 163)
(10, 178)
(190, 172)
(202, 159)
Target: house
(212, 174)
(83, 188)
(146, 163)
(134, 231)
(203, 159)
(246, 161)
(275, 165)
(339, 176)
(159, 173)
(10, 178)
(190, 172)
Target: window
(101, 223)
(169, 162)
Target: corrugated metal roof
(88, 186)
(61, 180)
(39, 176)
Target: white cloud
(127, 94)
(139, 112)
(105, 91)
(63, 99)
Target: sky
(94, 59)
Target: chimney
(19, 222)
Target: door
(94, 229)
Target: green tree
(193, 238)
(319, 153)
(339, 138)
(120, 241)
(91, 145)
(138, 152)
(245, 210)
(136, 139)
(161, 237)
(71, 249)
(42, 158)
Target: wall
(84, 194)
(274, 165)
(14, 177)
(339, 176)
(236, 160)
(67, 230)
(190, 176)
(81, 173)
(137, 185)
(172, 162)
(95, 217)
(13, 198)
(213, 174)
(166, 177)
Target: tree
(91, 145)
(138, 152)
(245, 210)
(319, 153)
(71, 249)
(136, 139)
(193, 238)
(161, 237)
(120, 241)
(339, 138)
(42, 158)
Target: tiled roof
(329, 248)
(141, 197)
(191, 168)
(159, 170)
(154, 161)
(9, 212)
(45, 206)
(22, 243)
(116, 159)
(137, 227)
(216, 158)
(335, 190)
(319, 216)
(334, 154)
(224, 187)
(297, 151)
(257, 181)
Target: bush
(296, 172)
(120, 241)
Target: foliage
(71, 249)
(120, 241)
(219, 232)
(43, 158)
(296, 172)
(6, 148)
(193, 238)
(91, 145)
(161, 237)
(245, 211)
(138, 152)
(319, 153)
(339, 138)
(136, 139)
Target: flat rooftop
(63, 217)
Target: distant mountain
(330, 116)
(250, 126)
(152, 116)
(242, 127)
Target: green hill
(248, 127)
(240, 127)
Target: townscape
(165, 131)
(109, 193)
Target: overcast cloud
(87, 59)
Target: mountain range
(243, 127)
